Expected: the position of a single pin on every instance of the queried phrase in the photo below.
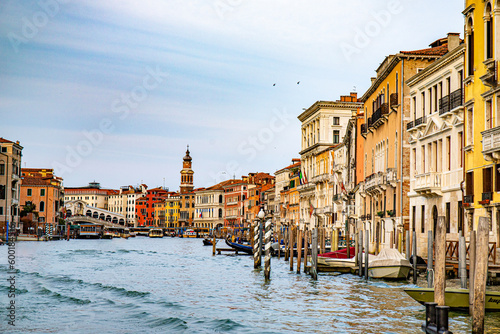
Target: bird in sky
(298, 82)
(274, 84)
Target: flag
(311, 209)
(302, 178)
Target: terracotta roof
(433, 51)
(2, 140)
(297, 164)
(35, 181)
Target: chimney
(354, 96)
(453, 40)
(373, 79)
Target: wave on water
(225, 325)
(169, 324)
(63, 298)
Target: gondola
(208, 242)
(240, 247)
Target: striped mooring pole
(267, 258)
(256, 244)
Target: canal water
(173, 285)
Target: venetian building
(187, 196)
(385, 207)
(186, 174)
(435, 137)
(482, 115)
(10, 175)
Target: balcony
(491, 144)
(391, 176)
(394, 99)
(486, 198)
(420, 121)
(306, 187)
(451, 102)
(468, 200)
(325, 177)
(490, 78)
(375, 182)
(364, 129)
(379, 116)
(428, 184)
(328, 209)
(410, 125)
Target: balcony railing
(410, 125)
(428, 183)
(421, 121)
(391, 176)
(394, 99)
(487, 196)
(491, 143)
(364, 129)
(452, 101)
(469, 199)
(377, 116)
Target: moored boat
(208, 242)
(389, 264)
(156, 233)
(245, 248)
(189, 234)
(457, 299)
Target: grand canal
(173, 285)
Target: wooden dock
(220, 250)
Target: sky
(113, 91)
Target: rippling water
(173, 285)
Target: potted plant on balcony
(380, 214)
(390, 213)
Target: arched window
(489, 31)
(470, 47)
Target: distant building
(92, 195)
(209, 207)
(44, 191)
(187, 195)
(145, 206)
(10, 176)
(123, 202)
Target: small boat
(208, 242)
(156, 233)
(107, 235)
(340, 254)
(190, 234)
(457, 299)
(125, 234)
(389, 264)
(245, 248)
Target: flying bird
(298, 82)
(274, 84)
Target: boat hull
(457, 299)
(240, 247)
(389, 272)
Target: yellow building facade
(482, 115)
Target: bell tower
(186, 174)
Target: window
(42, 192)
(422, 220)
(336, 120)
(487, 180)
(42, 206)
(497, 178)
(461, 145)
(489, 115)
(423, 103)
(414, 212)
(448, 153)
(469, 183)
(2, 168)
(1, 210)
(460, 217)
(470, 48)
(489, 33)
(28, 192)
(470, 126)
(448, 217)
(2, 191)
(336, 136)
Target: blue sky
(113, 91)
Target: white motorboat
(389, 264)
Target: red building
(144, 206)
(234, 203)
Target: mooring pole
(256, 243)
(408, 250)
(430, 260)
(440, 269)
(360, 255)
(214, 242)
(480, 275)
(286, 240)
(461, 262)
(267, 258)
(306, 249)
(472, 270)
(367, 250)
(414, 241)
(299, 250)
(314, 254)
(292, 230)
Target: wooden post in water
(336, 240)
(306, 249)
(367, 250)
(408, 249)
(414, 242)
(347, 241)
(286, 241)
(279, 243)
(360, 254)
(314, 254)
(267, 256)
(323, 240)
(461, 262)
(299, 250)
(214, 242)
(356, 247)
(430, 260)
(472, 269)
(256, 243)
(290, 246)
(440, 268)
(480, 274)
